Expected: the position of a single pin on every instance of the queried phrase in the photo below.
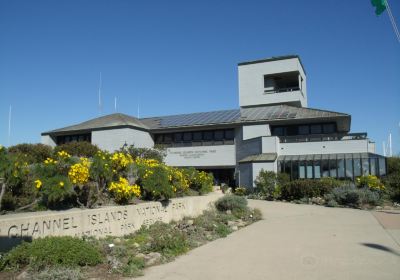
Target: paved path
(297, 242)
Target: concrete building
(272, 130)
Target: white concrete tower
(271, 81)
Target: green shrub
(393, 165)
(352, 197)
(58, 273)
(392, 184)
(234, 203)
(146, 153)
(156, 184)
(33, 153)
(307, 188)
(269, 184)
(371, 182)
(80, 149)
(133, 267)
(52, 251)
(166, 240)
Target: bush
(58, 273)
(33, 153)
(307, 188)
(145, 153)
(352, 197)
(240, 191)
(51, 251)
(166, 239)
(156, 184)
(269, 184)
(80, 149)
(370, 181)
(393, 165)
(234, 203)
(392, 183)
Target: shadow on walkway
(381, 247)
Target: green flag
(380, 6)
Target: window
(229, 134)
(62, 139)
(310, 169)
(178, 137)
(197, 136)
(349, 168)
(302, 169)
(219, 135)
(365, 166)
(167, 138)
(328, 128)
(304, 130)
(357, 167)
(341, 168)
(316, 129)
(325, 168)
(278, 131)
(317, 169)
(187, 136)
(208, 135)
(373, 166)
(382, 166)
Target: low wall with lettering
(100, 222)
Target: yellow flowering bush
(178, 179)
(121, 160)
(370, 181)
(123, 191)
(63, 154)
(79, 172)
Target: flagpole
(396, 30)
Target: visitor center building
(273, 129)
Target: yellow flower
(61, 184)
(38, 183)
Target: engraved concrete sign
(113, 220)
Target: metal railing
(277, 90)
(322, 137)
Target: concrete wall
(251, 83)
(47, 140)
(114, 139)
(202, 156)
(248, 147)
(101, 222)
(253, 131)
(327, 147)
(270, 144)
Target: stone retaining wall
(100, 222)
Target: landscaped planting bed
(116, 257)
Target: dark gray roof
(243, 115)
(108, 121)
(273, 58)
(233, 117)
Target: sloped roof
(108, 121)
(243, 115)
(235, 116)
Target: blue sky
(181, 56)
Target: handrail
(322, 137)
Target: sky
(172, 57)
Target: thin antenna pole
(390, 145)
(138, 108)
(396, 30)
(9, 127)
(100, 109)
(115, 104)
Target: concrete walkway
(297, 242)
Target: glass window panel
(341, 168)
(302, 169)
(291, 130)
(229, 134)
(304, 129)
(159, 138)
(310, 169)
(328, 128)
(208, 135)
(278, 131)
(178, 137)
(349, 168)
(187, 136)
(219, 135)
(382, 166)
(317, 169)
(287, 168)
(357, 167)
(167, 138)
(197, 136)
(325, 168)
(365, 166)
(316, 129)
(295, 169)
(333, 168)
(373, 166)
